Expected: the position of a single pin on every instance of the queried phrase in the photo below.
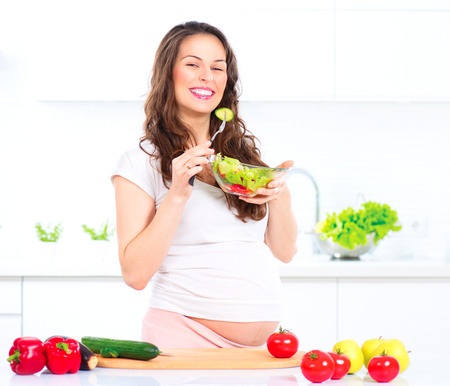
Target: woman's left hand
(273, 190)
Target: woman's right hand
(189, 164)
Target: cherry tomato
(282, 344)
(238, 189)
(341, 365)
(383, 368)
(317, 366)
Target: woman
(207, 254)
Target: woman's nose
(207, 75)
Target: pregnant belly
(249, 334)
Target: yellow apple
(350, 348)
(369, 347)
(395, 348)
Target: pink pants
(167, 329)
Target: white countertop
(370, 266)
(423, 371)
(300, 267)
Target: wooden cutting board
(207, 358)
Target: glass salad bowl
(337, 251)
(242, 179)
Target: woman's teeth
(201, 92)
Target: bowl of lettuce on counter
(242, 179)
(355, 232)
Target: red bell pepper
(63, 355)
(26, 356)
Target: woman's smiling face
(199, 75)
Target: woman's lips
(202, 92)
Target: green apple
(395, 348)
(350, 348)
(369, 347)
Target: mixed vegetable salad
(239, 178)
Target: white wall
(56, 158)
(358, 93)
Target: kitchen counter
(324, 266)
(300, 267)
(423, 371)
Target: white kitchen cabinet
(308, 50)
(107, 307)
(324, 303)
(414, 310)
(394, 5)
(10, 329)
(310, 311)
(105, 62)
(10, 310)
(10, 295)
(407, 59)
(100, 50)
(103, 307)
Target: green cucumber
(224, 112)
(116, 348)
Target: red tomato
(238, 189)
(317, 366)
(282, 344)
(383, 368)
(341, 365)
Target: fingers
(187, 170)
(286, 164)
(272, 191)
(200, 151)
(263, 195)
(190, 162)
(203, 150)
(281, 180)
(195, 161)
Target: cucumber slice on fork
(224, 113)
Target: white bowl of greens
(353, 233)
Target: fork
(221, 127)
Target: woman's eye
(218, 69)
(191, 65)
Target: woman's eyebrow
(198, 58)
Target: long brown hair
(170, 136)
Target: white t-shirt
(217, 267)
